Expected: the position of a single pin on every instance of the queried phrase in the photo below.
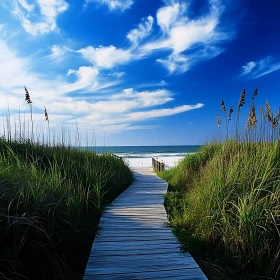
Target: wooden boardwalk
(133, 241)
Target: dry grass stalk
(27, 96)
(47, 119)
(262, 113)
(223, 106)
(46, 115)
(255, 93)
(241, 103)
(241, 99)
(275, 123)
(230, 113)
(28, 101)
(219, 122)
(252, 120)
(278, 114)
(269, 112)
(276, 120)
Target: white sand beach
(147, 162)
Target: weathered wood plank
(134, 241)
(161, 251)
(194, 274)
(148, 258)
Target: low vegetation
(224, 201)
(51, 199)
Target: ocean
(141, 156)
(147, 151)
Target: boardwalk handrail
(114, 155)
(158, 164)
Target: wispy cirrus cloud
(110, 56)
(167, 16)
(262, 67)
(58, 52)
(113, 4)
(143, 30)
(188, 41)
(73, 92)
(106, 57)
(120, 110)
(38, 18)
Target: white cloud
(188, 41)
(114, 4)
(142, 31)
(200, 37)
(111, 112)
(86, 76)
(13, 69)
(106, 57)
(185, 33)
(168, 16)
(26, 5)
(125, 117)
(16, 71)
(58, 52)
(162, 83)
(262, 67)
(156, 113)
(175, 63)
(39, 18)
(247, 68)
(145, 98)
(117, 74)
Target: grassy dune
(51, 199)
(224, 203)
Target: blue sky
(139, 72)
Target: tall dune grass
(56, 194)
(51, 199)
(224, 202)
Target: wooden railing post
(158, 164)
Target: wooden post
(158, 164)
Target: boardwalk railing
(114, 155)
(158, 164)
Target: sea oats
(269, 112)
(255, 93)
(28, 101)
(223, 106)
(230, 113)
(46, 114)
(241, 99)
(262, 113)
(219, 122)
(27, 96)
(252, 120)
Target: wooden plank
(134, 240)
(108, 246)
(149, 258)
(149, 274)
(137, 234)
(135, 253)
(140, 267)
(187, 274)
(134, 218)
